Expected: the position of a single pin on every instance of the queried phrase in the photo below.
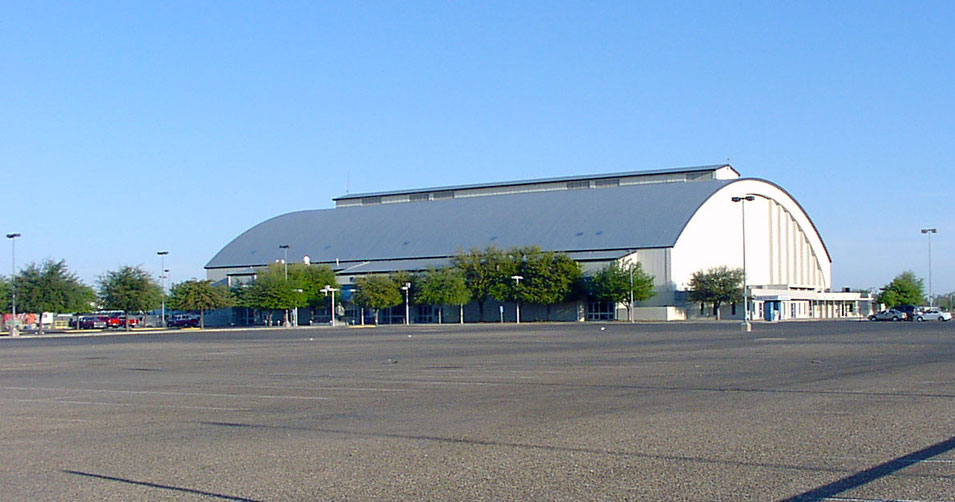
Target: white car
(933, 314)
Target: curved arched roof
(620, 218)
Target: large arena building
(673, 222)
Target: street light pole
(329, 289)
(284, 247)
(517, 301)
(631, 294)
(162, 281)
(929, 232)
(14, 331)
(406, 288)
(742, 200)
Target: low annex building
(674, 222)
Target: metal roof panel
(626, 217)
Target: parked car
(933, 314)
(888, 315)
(93, 322)
(910, 311)
(184, 321)
(119, 321)
(90, 322)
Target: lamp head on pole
(924, 231)
(162, 253)
(12, 236)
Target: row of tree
(51, 287)
(523, 275)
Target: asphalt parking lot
(847, 411)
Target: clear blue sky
(130, 127)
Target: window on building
(418, 197)
(426, 313)
(577, 185)
(447, 194)
(368, 201)
(601, 311)
(733, 306)
(606, 183)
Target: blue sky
(130, 127)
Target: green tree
(944, 301)
(199, 295)
(613, 284)
(547, 278)
(905, 289)
(444, 286)
(5, 297)
(129, 289)
(717, 285)
(311, 279)
(270, 291)
(482, 270)
(402, 277)
(377, 292)
(51, 287)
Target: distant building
(672, 221)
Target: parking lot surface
(847, 411)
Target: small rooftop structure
(583, 182)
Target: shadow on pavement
(860, 478)
(163, 487)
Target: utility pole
(517, 301)
(15, 331)
(742, 200)
(162, 281)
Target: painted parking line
(855, 499)
(128, 405)
(166, 393)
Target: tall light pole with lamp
(742, 200)
(929, 232)
(329, 289)
(631, 293)
(517, 301)
(406, 288)
(284, 247)
(14, 331)
(162, 281)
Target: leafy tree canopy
(377, 292)
(271, 291)
(51, 287)
(443, 286)
(613, 283)
(400, 278)
(199, 295)
(905, 289)
(311, 279)
(482, 270)
(129, 289)
(5, 297)
(717, 285)
(546, 277)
